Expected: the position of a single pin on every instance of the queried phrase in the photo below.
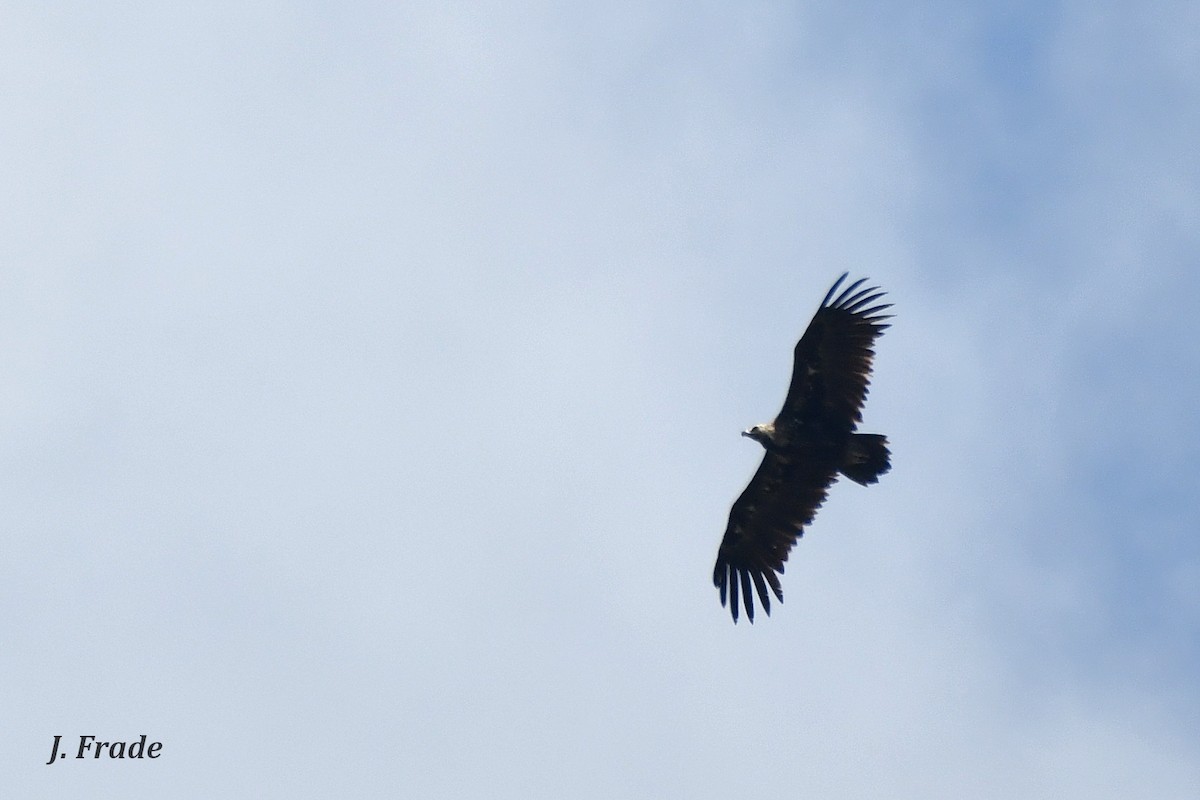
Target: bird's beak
(745, 433)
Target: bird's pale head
(763, 434)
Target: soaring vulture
(809, 444)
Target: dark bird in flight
(809, 444)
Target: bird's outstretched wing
(766, 520)
(832, 366)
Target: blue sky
(374, 374)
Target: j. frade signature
(89, 746)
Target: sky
(373, 376)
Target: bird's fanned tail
(867, 458)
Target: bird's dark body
(811, 442)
